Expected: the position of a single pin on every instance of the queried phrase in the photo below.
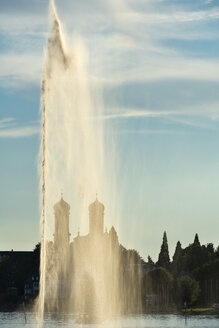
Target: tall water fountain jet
(88, 275)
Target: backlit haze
(157, 65)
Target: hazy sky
(157, 62)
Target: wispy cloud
(134, 113)
(154, 68)
(132, 49)
(150, 132)
(5, 122)
(189, 121)
(19, 132)
(202, 117)
(19, 69)
(175, 16)
(9, 128)
(27, 24)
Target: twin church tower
(80, 261)
(62, 213)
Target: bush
(187, 290)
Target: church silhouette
(92, 274)
(96, 227)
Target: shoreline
(196, 311)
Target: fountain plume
(71, 148)
(89, 274)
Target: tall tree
(196, 240)
(150, 261)
(176, 258)
(164, 259)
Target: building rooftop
(62, 204)
(96, 204)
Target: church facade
(78, 268)
(92, 273)
(96, 226)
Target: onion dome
(96, 205)
(62, 204)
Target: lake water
(17, 319)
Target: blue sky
(157, 63)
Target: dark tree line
(192, 277)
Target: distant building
(16, 266)
(15, 256)
(31, 286)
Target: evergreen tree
(196, 240)
(150, 261)
(164, 259)
(176, 258)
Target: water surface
(17, 319)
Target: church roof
(96, 204)
(62, 204)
